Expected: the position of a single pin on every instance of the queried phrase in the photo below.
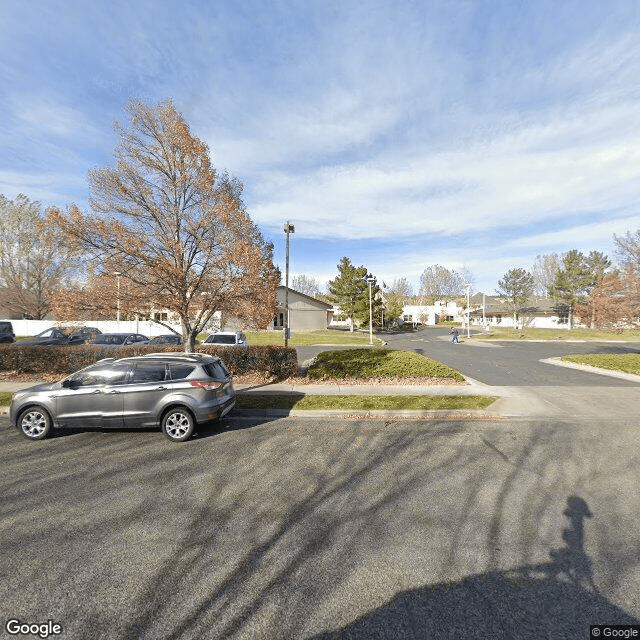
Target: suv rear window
(180, 371)
(216, 370)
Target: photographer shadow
(555, 599)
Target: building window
(160, 316)
(498, 319)
(563, 317)
(407, 317)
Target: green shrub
(374, 363)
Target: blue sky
(401, 134)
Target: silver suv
(168, 390)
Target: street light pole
(370, 281)
(468, 311)
(117, 274)
(288, 228)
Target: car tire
(34, 423)
(178, 424)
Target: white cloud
(583, 236)
(513, 180)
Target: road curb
(354, 414)
(559, 362)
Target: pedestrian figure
(455, 333)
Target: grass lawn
(5, 398)
(631, 335)
(626, 362)
(307, 338)
(378, 363)
(293, 401)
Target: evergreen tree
(394, 307)
(572, 282)
(350, 291)
(516, 287)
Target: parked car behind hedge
(165, 338)
(6, 332)
(62, 336)
(119, 339)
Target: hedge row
(271, 360)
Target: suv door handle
(161, 388)
(96, 391)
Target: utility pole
(288, 228)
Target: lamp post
(468, 311)
(288, 228)
(370, 281)
(117, 274)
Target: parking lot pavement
(323, 528)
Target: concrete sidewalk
(513, 401)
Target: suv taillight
(207, 385)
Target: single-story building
(305, 313)
(432, 314)
(539, 312)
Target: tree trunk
(570, 317)
(188, 337)
(190, 344)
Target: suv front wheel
(178, 424)
(34, 423)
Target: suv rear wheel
(178, 424)
(34, 423)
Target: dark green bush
(272, 361)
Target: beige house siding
(305, 313)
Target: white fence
(34, 327)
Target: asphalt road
(321, 528)
(507, 363)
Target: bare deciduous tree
(628, 248)
(437, 281)
(34, 258)
(401, 287)
(544, 272)
(305, 284)
(176, 230)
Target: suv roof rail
(194, 357)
